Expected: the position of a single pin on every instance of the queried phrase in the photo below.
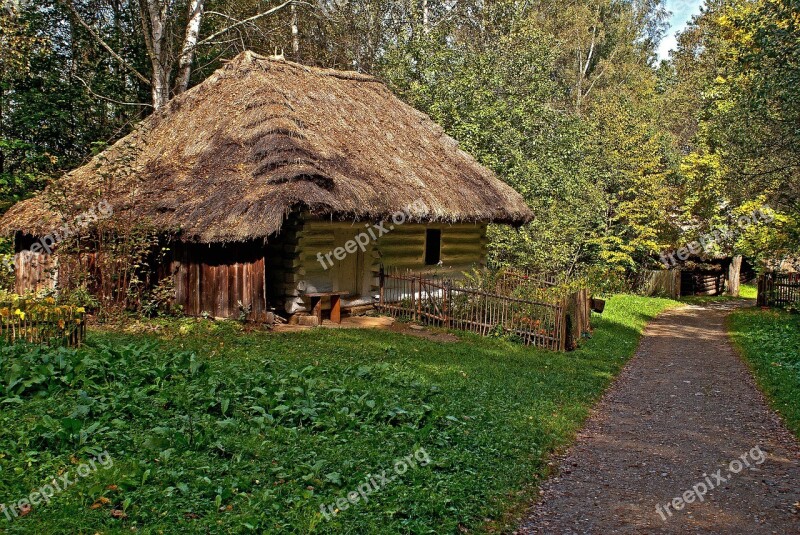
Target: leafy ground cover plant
(212, 429)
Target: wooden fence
(38, 322)
(508, 280)
(779, 289)
(450, 304)
(661, 282)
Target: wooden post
(446, 303)
(563, 317)
(316, 308)
(419, 297)
(336, 309)
(381, 286)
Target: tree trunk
(734, 271)
(189, 45)
(154, 22)
(295, 34)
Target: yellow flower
(80, 310)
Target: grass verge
(210, 429)
(770, 342)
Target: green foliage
(7, 276)
(81, 297)
(633, 163)
(595, 176)
(770, 341)
(736, 80)
(160, 300)
(49, 116)
(234, 432)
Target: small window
(433, 246)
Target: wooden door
(348, 274)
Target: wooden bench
(336, 304)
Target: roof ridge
(251, 57)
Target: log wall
(702, 283)
(463, 247)
(296, 268)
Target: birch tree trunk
(189, 45)
(295, 33)
(159, 22)
(154, 25)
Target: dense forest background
(621, 157)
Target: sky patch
(682, 12)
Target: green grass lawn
(748, 291)
(770, 342)
(211, 429)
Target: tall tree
(736, 75)
(169, 25)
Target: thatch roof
(229, 159)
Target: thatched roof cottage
(266, 172)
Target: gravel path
(683, 409)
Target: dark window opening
(433, 246)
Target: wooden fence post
(446, 302)
(381, 285)
(416, 297)
(563, 320)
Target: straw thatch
(228, 160)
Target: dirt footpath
(682, 443)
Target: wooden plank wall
(662, 282)
(214, 278)
(34, 271)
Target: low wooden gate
(779, 289)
